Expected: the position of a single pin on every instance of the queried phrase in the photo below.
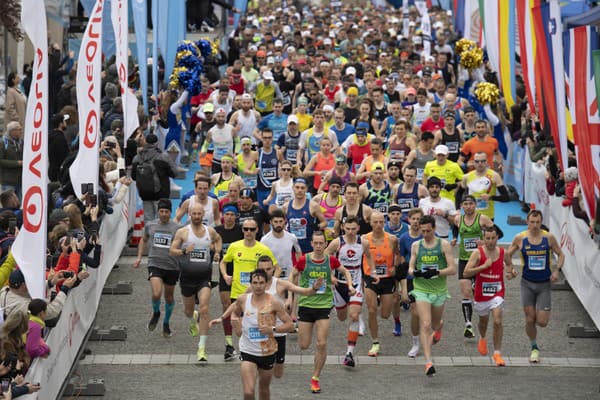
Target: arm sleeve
(490, 115)
(179, 103)
(301, 263)
(503, 197)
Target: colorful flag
(527, 44)
(140, 22)
(467, 19)
(499, 29)
(120, 20)
(583, 66)
(549, 60)
(85, 166)
(29, 248)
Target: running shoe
(498, 360)
(437, 335)
(482, 347)
(153, 321)
(534, 357)
(202, 357)
(397, 329)
(374, 352)
(469, 334)
(167, 331)
(315, 385)
(349, 360)
(429, 369)
(229, 353)
(414, 351)
(193, 329)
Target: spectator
(16, 102)
(58, 147)
(11, 158)
(35, 344)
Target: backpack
(146, 176)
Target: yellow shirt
(304, 121)
(244, 262)
(449, 173)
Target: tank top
(478, 185)
(300, 224)
(536, 259)
(252, 341)
(469, 236)
(248, 125)
(383, 257)
(267, 167)
(283, 194)
(371, 128)
(292, 144)
(250, 181)
(197, 264)
(398, 150)
(222, 139)
(420, 113)
(329, 213)
(406, 201)
(363, 226)
(345, 179)
(453, 143)
(222, 187)
(209, 217)
(322, 164)
(323, 297)
(314, 142)
(272, 290)
(431, 259)
(467, 135)
(263, 97)
(489, 283)
(350, 256)
(391, 121)
(419, 162)
(379, 200)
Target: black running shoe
(229, 353)
(153, 321)
(167, 331)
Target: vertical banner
(527, 44)
(426, 32)
(175, 10)
(155, 48)
(120, 20)
(85, 167)
(140, 22)
(405, 20)
(549, 60)
(29, 248)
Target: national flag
(527, 44)
(549, 60)
(581, 50)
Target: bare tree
(10, 17)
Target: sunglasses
(286, 169)
(479, 161)
(248, 229)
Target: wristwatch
(184, 251)
(274, 329)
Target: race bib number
(481, 204)
(537, 263)
(490, 288)
(397, 154)
(220, 151)
(420, 174)
(287, 99)
(261, 104)
(245, 278)
(269, 173)
(381, 269)
(381, 207)
(453, 147)
(406, 204)
(198, 255)
(355, 274)
(291, 155)
(250, 181)
(320, 290)
(298, 227)
(470, 244)
(282, 199)
(162, 240)
(427, 267)
(255, 336)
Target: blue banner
(174, 32)
(108, 34)
(139, 10)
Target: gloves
(430, 273)
(418, 273)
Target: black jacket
(164, 166)
(58, 150)
(11, 152)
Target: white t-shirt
(282, 249)
(442, 225)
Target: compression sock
(534, 345)
(352, 336)
(202, 341)
(168, 311)
(467, 309)
(155, 306)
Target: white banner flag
(120, 20)
(85, 167)
(29, 249)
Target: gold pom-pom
(463, 45)
(216, 46)
(174, 79)
(472, 58)
(487, 93)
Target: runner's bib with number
(470, 244)
(198, 255)
(245, 278)
(255, 336)
(537, 263)
(490, 288)
(320, 290)
(162, 240)
(298, 227)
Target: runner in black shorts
(230, 232)
(163, 270)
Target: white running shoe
(414, 351)
(361, 326)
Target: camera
(111, 144)
(68, 274)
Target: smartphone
(68, 240)
(12, 225)
(122, 173)
(111, 144)
(93, 200)
(68, 274)
(5, 385)
(84, 188)
(90, 188)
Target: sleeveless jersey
(536, 259)
(383, 257)
(267, 167)
(363, 226)
(431, 259)
(248, 125)
(469, 236)
(250, 181)
(323, 298)
(350, 256)
(252, 341)
(300, 224)
(379, 200)
(420, 161)
(221, 189)
(222, 139)
(196, 265)
(322, 164)
(329, 213)
(272, 290)
(283, 194)
(398, 150)
(478, 185)
(292, 144)
(406, 201)
(209, 217)
(453, 143)
(489, 283)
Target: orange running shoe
(429, 369)
(482, 347)
(498, 360)
(315, 386)
(437, 335)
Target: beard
(278, 229)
